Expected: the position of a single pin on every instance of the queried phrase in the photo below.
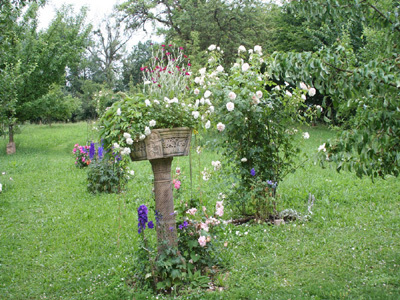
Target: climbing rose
(220, 127)
(245, 67)
(202, 241)
(230, 106)
(311, 92)
(232, 95)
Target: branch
(352, 72)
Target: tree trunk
(11, 145)
(166, 223)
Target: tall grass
(57, 241)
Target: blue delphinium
(253, 172)
(142, 217)
(183, 225)
(100, 151)
(92, 151)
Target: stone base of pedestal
(166, 223)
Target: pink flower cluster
(81, 155)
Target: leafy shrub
(107, 173)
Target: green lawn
(57, 241)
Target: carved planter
(162, 143)
(159, 148)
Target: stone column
(166, 225)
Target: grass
(57, 241)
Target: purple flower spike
(142, 217)
(150, 225)
(92, 150)
(253, 172)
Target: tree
(32, 61)
(109, 50)
(364, 82)
(195, 24)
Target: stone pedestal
(166, 223)
(159, 148)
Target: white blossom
(116, 146)
(195, 114)
(152, 123)
(259, 94)
(257, 49)
(196, 91)
(242, 48)
(220, 68)
(147, 102)
(202, 101)
(156, 102)
(288, 93)
(232, 95)
(216, 165)
(303, 86)
(207, 94)
(202, 71)
(220, 127)
(212, 48)
(147, 130)
(230, 106)
(306, 135)
(208, 124)
(311, 92)
(126, 135)
(244, 159)
(129, 141)
(322, 147)
(245, 67)
(142, 137)
(119, 112)
(126, 151)
(303, 97)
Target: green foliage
(255, 123)
(108, 174)
(364, 84)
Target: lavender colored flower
(183, 225)
(253, 172)
(100, 152)
(150, 225)
(92, 151)
(142, 217)
(270, 182)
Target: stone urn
(159, 148)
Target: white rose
(259, 94)
(306, 135)
(197, 80)
(195, 114)
(156, 102)
(257, 49)
(245, 67)
(303, 86)
(118, 112)
(142, 137)
(230, 106)
(208, 124)
(147, 102)
(211, 109)
(152, 123)
(303, 97)
(244, 159)
(196, 91)
(232, 95)
(202, 101)
(288, 93)
(126, 151)
(116, 146)
(220, 68)
(147, 130)
(126, 135)
(212, 48)
(242, 48)
(220, 127)
(207, 94)
(202, 71)
(129, 141)
(311, 92)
